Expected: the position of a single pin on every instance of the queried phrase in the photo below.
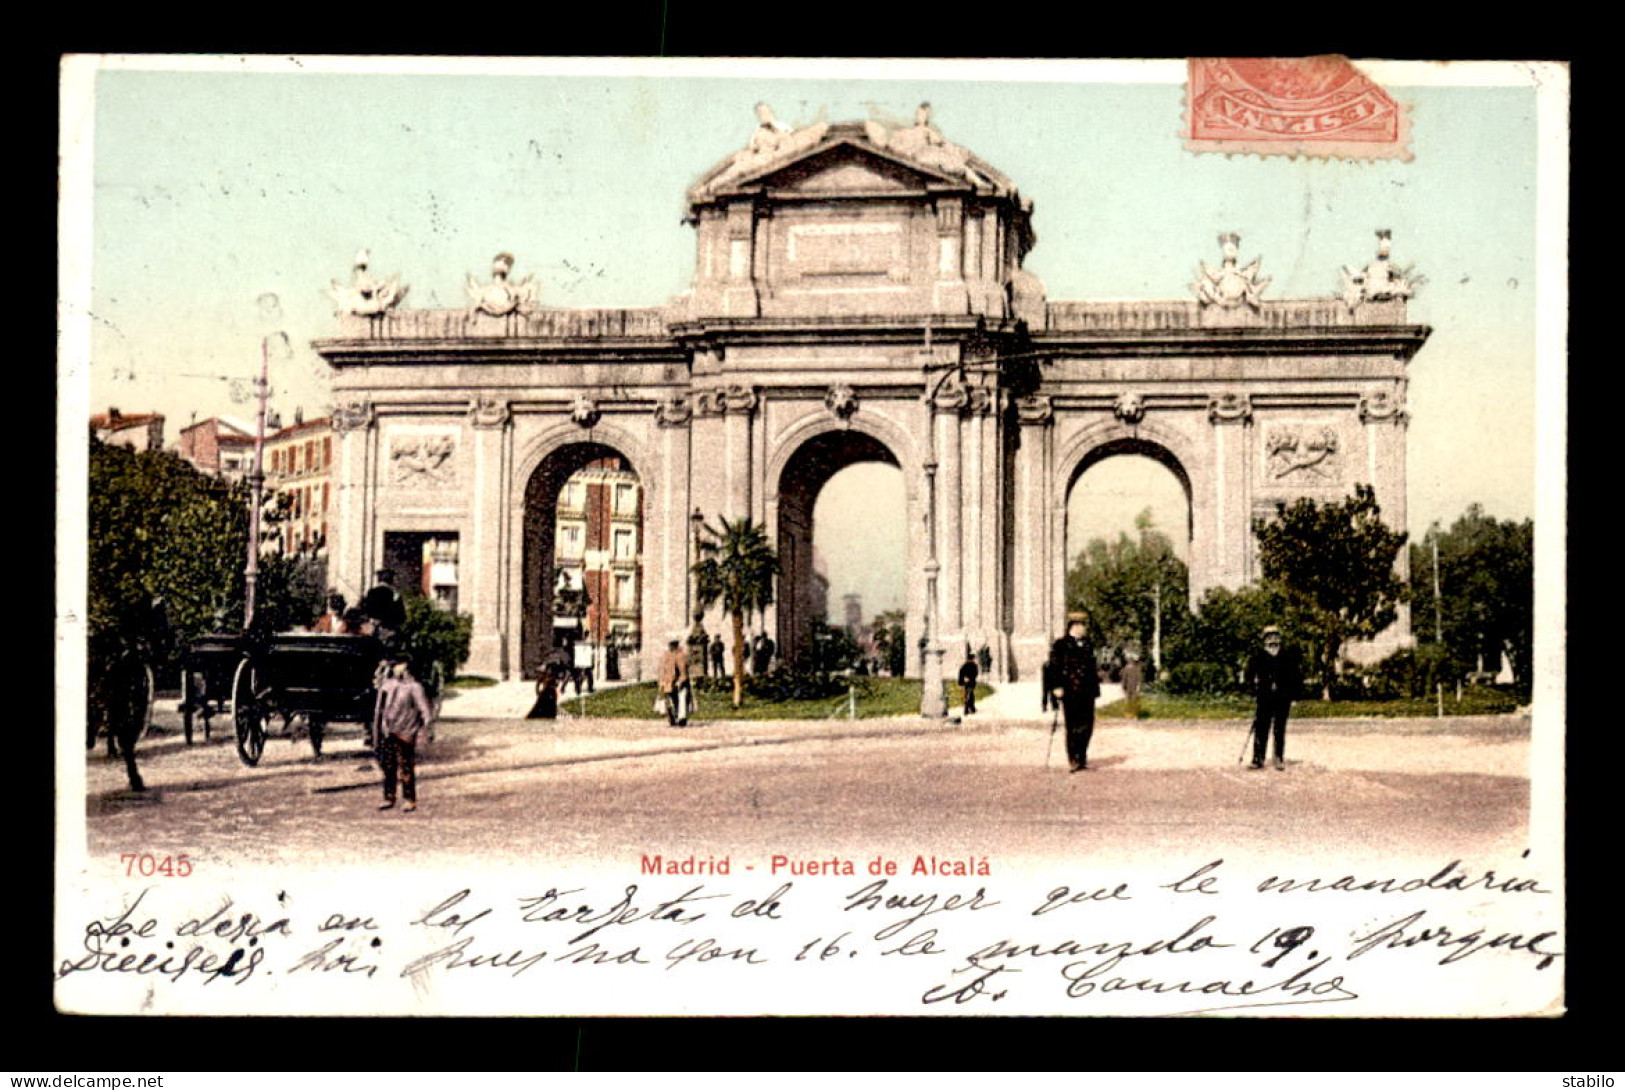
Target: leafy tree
(1486, 603)
(833, 648)
(1225, 631)
(737, 566)
(890, 641)
(158, 527)
(1337, 560)
(1117, 584)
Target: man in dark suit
(1272, 675)
(1075, 684)
(386, 607)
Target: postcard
(695, 537)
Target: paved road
(501, 789)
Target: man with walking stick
(1272, 675)
(1073, 674)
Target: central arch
(804, 475)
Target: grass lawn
(887, 697)
(472, 681)
(1160, 706)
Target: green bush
(782, 685)
(1193, 678)
(434, 635)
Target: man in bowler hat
(1075, 685)
(1272, 675)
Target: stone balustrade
(1150, 316)
(547, 324)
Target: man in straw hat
(1075, 683)
(1272, 675)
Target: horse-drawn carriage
(207, 669)
(322, 679)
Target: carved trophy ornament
(1230, 285)
(421, 459)
(1381, 281)
(502, 296)
(1129, 408)
(1310, 451)
(364, 295)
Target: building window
(624, 549)
(625, 596)
(572, 539)
(327, 450)
(626, 499)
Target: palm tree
(737, 566)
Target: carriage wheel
(249, 713)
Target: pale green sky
(211, 189)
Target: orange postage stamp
(1322, 107)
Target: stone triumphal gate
(858, 296)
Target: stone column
(356, 424)
(1224, 514)
(1033, 531)
(1387, 429)
(667, 547)
(486, 560)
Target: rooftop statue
(1229, 285)
(502, 297)
(1381, 281)
(364, 295)
(772, 140)
(925, 144)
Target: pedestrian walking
(402, 720)
(967, 682)
(547, 695)
(1274, 678)
(675, 686)
(717, 656)
(1075, 684)
(1131, 677)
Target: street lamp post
(256, 484)
(696, 637)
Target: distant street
(497, 788)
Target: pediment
(848, 168)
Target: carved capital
(1229, 408)
(1129, 408)
(1035, 409)
(841, 400)
(673, 411)
(950, 396)
(354, 414)
(488, 412)
(980, 401)
(584, 411)
(721, 400)
(1381, 405)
